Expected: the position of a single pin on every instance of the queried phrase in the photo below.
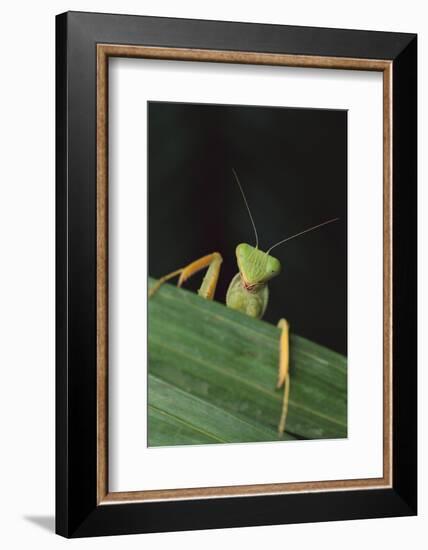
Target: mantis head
(255, 266)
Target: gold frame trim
(104, 51)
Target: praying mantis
(248, 291)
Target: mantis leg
(283, 372)
(209, 283)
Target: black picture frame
(78, 511)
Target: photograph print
(247, 289)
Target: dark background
(292, 164)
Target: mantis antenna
(302, 233)
(246, 204)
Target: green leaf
(212, 375)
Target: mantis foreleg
(207, 289)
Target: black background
(292, 164)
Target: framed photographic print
(236, 274)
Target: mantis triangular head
(255, 266)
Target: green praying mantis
(248, 291)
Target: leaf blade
(229, 361)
